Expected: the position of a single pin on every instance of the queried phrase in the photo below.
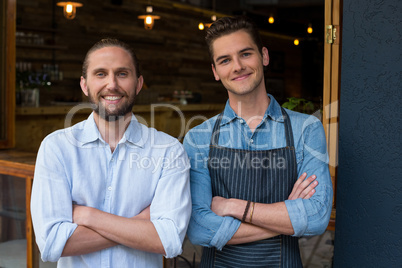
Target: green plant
(299, 105)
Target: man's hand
(220, 205)
(80, 214)
(303, 188)
(144, 215)
(84, 240)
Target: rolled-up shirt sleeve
(171, 206)
(311, 216)
(205, 228)
(51, 203)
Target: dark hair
(110, 42)
(228, 25)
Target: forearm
(272, 217)
(249, 233)
(84, 241)
(310, 217)
(134, 233)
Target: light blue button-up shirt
(76, 166)
(308, 216)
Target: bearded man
(94, 203)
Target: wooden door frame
(7, 83)
(331, 87)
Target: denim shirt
(308, 216)
(76, 166)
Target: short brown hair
(228, 25)
(111, 42)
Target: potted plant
(303, 106)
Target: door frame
(7, 69)
(331, 88)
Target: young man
(248, 205)
(110, 192)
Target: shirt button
(109, 188)
(251, 140)
(112, 159)
(241, 121)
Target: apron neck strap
(216, 130)
(288, 129)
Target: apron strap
(288, 129)
(216, 131)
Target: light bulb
(201, 26)
(271, 20)
(69, 8)
(148, 20)
(296, 42)
(310, 29)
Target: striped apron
(265, 176)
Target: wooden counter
(64, 109)
(21, 165)
(33, 124)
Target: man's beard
(116, 114)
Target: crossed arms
(215, 221)
(98, 230)
(143, 210)
(268, 220)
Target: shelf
(33, 46)
(37, 38)
(36, 29)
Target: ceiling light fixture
(148, 18)
(69, 8)
(310, 29)
(202, 26)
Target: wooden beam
(9, 72)
(332, 52)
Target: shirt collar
(90, 131)
(274, 112)
(134, 133)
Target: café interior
(43, 46)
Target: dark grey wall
(369, 184)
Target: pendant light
(148, 18)
(69, 8)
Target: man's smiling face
(238, 63)
(111, 83)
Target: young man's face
(111, 82)
(238, 63)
